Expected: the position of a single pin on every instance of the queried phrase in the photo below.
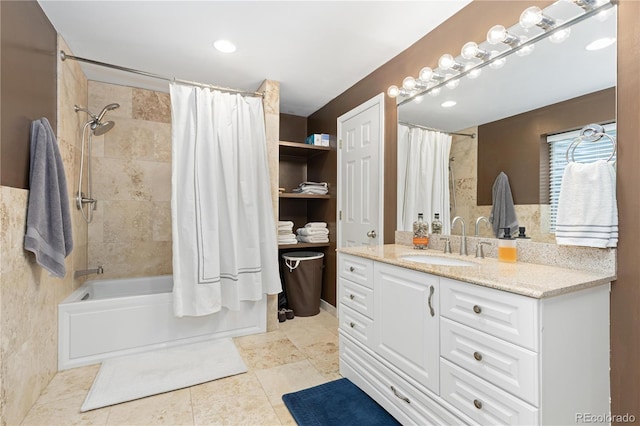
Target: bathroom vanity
(484, 343)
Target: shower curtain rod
(471, 135)
(64, 56)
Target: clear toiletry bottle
(420, 233)
(507, 250)
(436, 225)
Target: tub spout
(83, 272)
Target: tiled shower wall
(464, 150)
(130, 235)
(29, 297)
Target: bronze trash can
(303, 281)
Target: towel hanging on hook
(590, 133)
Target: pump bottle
(507, 249)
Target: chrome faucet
(479, 251)
(82, 272)
(463, 239)
(478, 220)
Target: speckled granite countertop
(527, 279)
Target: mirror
(551, 74)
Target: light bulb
(560, 36)
(453, 82)
(499, 34)
(469, 50)
(525, 50)
(409, 83)
(531, 17)
(425, 74)
(393, 91)
(498, 63)
(446, 62)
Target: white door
(360, 174)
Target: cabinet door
(406, 321)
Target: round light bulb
(497, 34)
(560, 36)
(425, 74)
(446, 61)
(469, 50)
(393, 91)
(409, 83)
(531, 17)
(525, 50)
(498, 63)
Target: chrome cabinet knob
(372, 234)
(477, 309)
(477, 356)
(478, 404)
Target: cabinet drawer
(482, 401)
(508, 316)
(356, 269)
(394, 394)
(357, 297)
(503, 364)
(356, 325)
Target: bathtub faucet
(82, 272)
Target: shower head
(102, 128)
(109, 107)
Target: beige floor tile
(172, 408)
(248, 409)
(225, 388)
(271, 354)
(308, 333)
(257, 340)
(284, 415)
(288, 378)
(72, 383)
(324, 357)
(64, 412)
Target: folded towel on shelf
(313, 239)
(503, 212)
(312, 231)
(319, 188)
(587, 206)
(287, 231)
(285, 223)
(48, 233)
(288, 238)
(316, 225)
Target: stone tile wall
(29, 297)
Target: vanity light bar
(430, 81)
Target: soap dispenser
(420, 233)
(436, 225)
(507, 250)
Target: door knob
(372, 234)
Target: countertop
(527, 279)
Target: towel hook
(590, 133)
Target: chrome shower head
(102, 128)
(109, 107)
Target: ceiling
(315, 49)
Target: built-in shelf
(307, 196)
(301, 245)
(304, 150)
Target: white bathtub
(107, 318)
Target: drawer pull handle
(352, 324)
(399, 395)
(431, 310)
(478, 404)
(477, 356)
(477, 309)
(351, 269)
(351, 296)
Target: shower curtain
(224, 233)
(423, 174)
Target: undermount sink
(436, 260)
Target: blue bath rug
(339, 403)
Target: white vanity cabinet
(434, 350)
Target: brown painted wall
(471, 23)
(521, 159)
(28, 58)
(293, 128)
(625, 292)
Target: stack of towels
(313, 232)
(285, 233)
(317, 188)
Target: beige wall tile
(151, 106)
(102, 94)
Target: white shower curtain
(423, 157)
(224, 234)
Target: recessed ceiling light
(447, 104)
(224, 46)
(600, 43)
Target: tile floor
(302, 353)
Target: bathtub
(108, 318)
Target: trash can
(303, 281)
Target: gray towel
(48, 233)
(503, 212)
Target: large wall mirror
(500, 120)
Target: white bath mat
(150, 373)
